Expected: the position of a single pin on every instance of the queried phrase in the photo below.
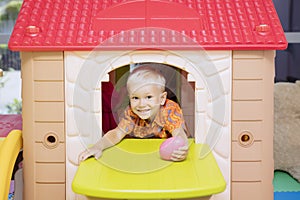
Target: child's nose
(142, 102)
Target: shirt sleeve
(173, 116)
(127, 122)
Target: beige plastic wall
(252, 115)
(43, 125)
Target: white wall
(210, 70)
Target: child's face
(145, 101)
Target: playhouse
(217, 55)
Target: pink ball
(169, 145)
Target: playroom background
(287, 70)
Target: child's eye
(134, 98)
(149, 97)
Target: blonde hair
(144, 75)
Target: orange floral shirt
(166, 121)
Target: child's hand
(180, 154)
(93, 151)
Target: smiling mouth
(143, 111)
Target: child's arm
(111, 138)
(181, 153)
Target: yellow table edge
(86, 186)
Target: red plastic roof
(10, 122)
(49, 25)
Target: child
(149, 115)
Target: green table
(133, 170)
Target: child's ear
(163, 98)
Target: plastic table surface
(133, 170)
